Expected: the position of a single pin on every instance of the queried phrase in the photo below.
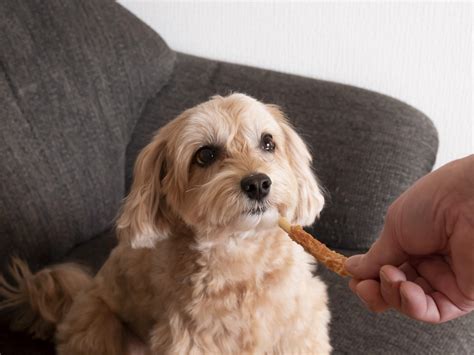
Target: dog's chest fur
(216, 295)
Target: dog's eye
(267, 142)
(205, 156)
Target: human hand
(423, 262)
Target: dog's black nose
(256, 186)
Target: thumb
(385, 251)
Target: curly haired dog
(201, 266)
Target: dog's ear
(310, 197)
(143, 219)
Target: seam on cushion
(100, 234)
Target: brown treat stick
(333, 261)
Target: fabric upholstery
(74, 77)
(368, 148)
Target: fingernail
(403, 299)
(384, 277)
(403, 294)
(352, 262)
(385, 284)
(362, 300)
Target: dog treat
(333, 261)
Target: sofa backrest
(74, 78)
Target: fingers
(416, 304)
(434, 308)
(379, 296)
(390, 279)
(369, 293)
(426, 293)
(412, 275)
(409, 271)
(408, 298)
(439, 275)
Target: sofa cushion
(74, 77)
(367, 147)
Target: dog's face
(229, 163)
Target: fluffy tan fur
(195, 272)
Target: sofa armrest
(367, 148)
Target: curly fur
(195, 272)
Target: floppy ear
(310, 199)
(143, 220)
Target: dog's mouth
(259, 216)
(257, 210)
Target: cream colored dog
(201, 266)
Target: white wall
(418, 52)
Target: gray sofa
(84, 84)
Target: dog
(201, 266)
